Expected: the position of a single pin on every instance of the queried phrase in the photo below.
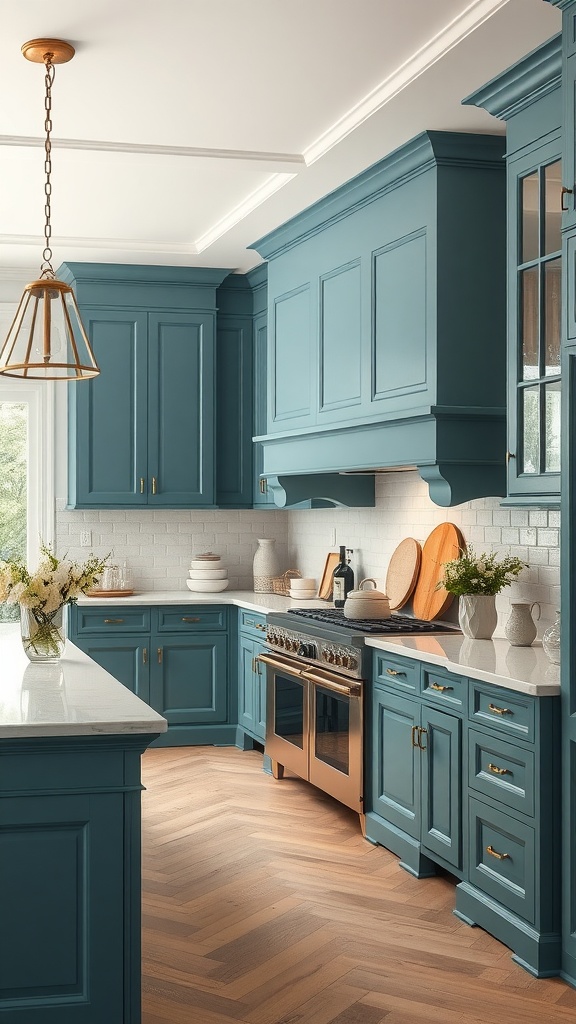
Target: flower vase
(520, 629)
(43, 634)
(265, 567)
(477, 615)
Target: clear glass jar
(551, 640)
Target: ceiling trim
(242, 210)
(281, 160)
(125, 244)
(471, 18)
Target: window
(26, 472)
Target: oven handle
(285, 664)
(328, 681)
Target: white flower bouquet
(42, 596)
(480, 574)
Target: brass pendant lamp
(47, 340)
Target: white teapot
(367, 604)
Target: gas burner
(396, 625)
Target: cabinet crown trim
(532, 77)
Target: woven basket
(281, 584)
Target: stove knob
(345, 662)
(307, 650)
(338, 659)
(324, 655)
(293, 645)
(330, 658)
(352, 663)
(281, 641)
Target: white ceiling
(185, 130)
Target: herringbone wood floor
(263, 904)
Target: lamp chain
(47, 268)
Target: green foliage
(479, 574)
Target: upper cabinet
(386, 324)
(143, 432)
(528, 97)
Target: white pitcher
(520, 629)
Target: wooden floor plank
(263, 904)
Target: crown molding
(531, 78)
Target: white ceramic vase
(477, 615)
(265, 566)
(520, 629)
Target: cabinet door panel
(262, 497)
(291, 368)
(246, 685)
(259, 694)
(181, 409)
(125, 658)
(441, 786)
(108, 415)
(188, 681)
(396, 765)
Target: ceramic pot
(520, 629)
(477, 615)
(265, 566)
(367, 604)
(43, 636)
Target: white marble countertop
(525, 669)
(241, 598)
(73, 697)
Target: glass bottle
(342, 578)
(551, 640)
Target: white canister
(265, 566)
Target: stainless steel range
(316, 667)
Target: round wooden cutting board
(444, 543)
(403, 572)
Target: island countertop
(72, 697)
(525, 669)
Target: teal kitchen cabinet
(376, 299)
(234, 393)
(258, 278)
(528, 97)
(143, 432)
(251, 678)
(466, 776)
(175, 657)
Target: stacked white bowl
(207, 574)
(304, 588)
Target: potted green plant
(475, 580)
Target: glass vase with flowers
(42, 596)
(475, 580)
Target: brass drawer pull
(153, 485)
(190, 618)
(109, 622)
(263, 487)
(441, 689)
(499, 771)
(499, 856)
(394, 672)
(563, 192)
(415, 742)
(421, 732)
(142, 484)
(144, 655)
(159, 653)
(499, 711)
(261, 626)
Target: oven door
(336, 737)
(287, 712)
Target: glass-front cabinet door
(535, 328)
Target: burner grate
(396, 624)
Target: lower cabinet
(179, 664)
(465, 776)
(251, 679)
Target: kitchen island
(71, 738)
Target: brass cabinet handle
(144, 655)
(510, 455)
(142, 484)
(415, 741)
(421, 732)
(254, 665)
(499, 771)
(190, 618)
(499, 856)
(563, 192)
(159, 653)
(153, 485)
(394, 672)
(258, 667)
(260, 625)
(441, 689)
(499, 711)
(263, 487)
(109, 622)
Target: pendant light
(47, 340)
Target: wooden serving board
(444, 543)
(325, 588)
(403, 572)
(109, 593)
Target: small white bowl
(207, 586)
(303, 595)
(206, 563)
(303, 583)
(208, 574)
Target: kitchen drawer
(502, 861)
(189, 618)
(398, 673)
(445, 689)
(501, 771)
(509, 712)
(116, 619)
(252, 624)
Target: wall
(403, 509)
